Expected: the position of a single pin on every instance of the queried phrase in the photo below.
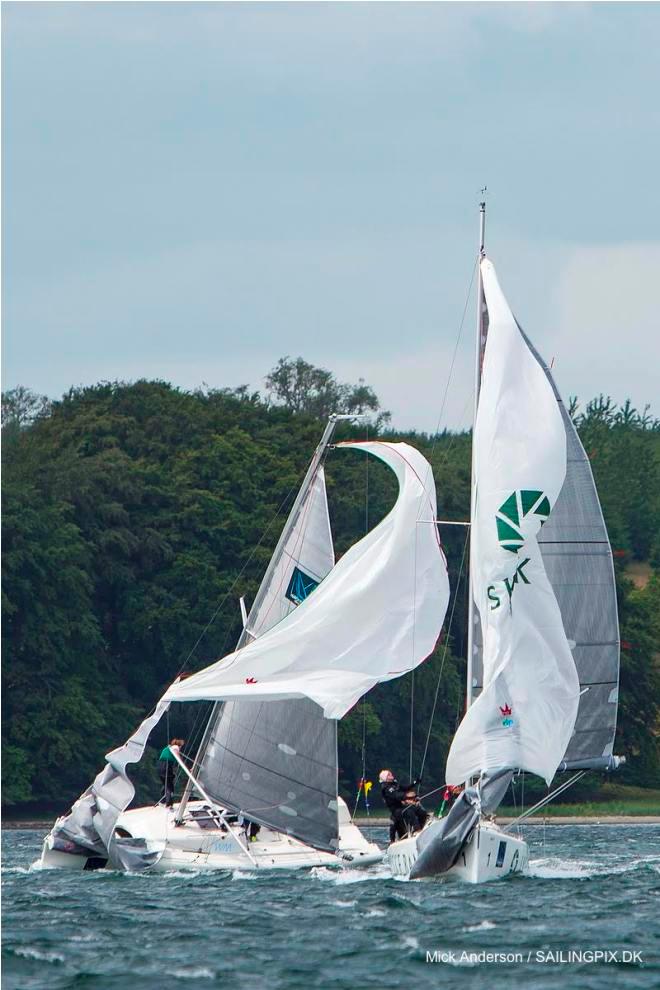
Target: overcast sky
(192, 191)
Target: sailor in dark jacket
(395, 796)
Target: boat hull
(488, 854)
(208, 845)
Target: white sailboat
(543, 641)
(318, 636)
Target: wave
(483, 926)
(41, 956)
(378, 872)
(555, 868)
(192, 973)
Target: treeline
(134, 514)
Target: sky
(192, 191)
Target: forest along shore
(130, 510)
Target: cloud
(608, 328)
(195, 190)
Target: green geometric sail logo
(513, 510)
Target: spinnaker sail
(376, 615)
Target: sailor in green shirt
(167, 766)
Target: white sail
(525, 714)
(376, 615)
(304, 560)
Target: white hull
(203, 844)
(488, 854)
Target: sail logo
(507, 721)
(511, 513)
(300, 587)
(494, 597)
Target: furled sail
(269, 761)
(525, 714)
(376, 615)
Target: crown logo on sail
(511, 513)
(250, 680)
(507, 721)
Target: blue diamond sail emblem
(300, 586)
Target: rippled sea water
(590, 888)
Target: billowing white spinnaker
(526, 712)
(376, 615)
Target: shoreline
(549, 820)
(382, 822)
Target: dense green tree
(303, 388)
(639, 710)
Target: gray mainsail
(276, 763)
(578, 560)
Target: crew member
(167, 766)
(394, 796)
(414, 816)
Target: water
(591, 888)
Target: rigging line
(545, 800)
(412, 660)
(364, 770)
(444, 654)
(453, 359)
(208, 625)
(364, 702)
(412, 714)
(366, 484)
(451, 371)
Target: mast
(479, 344)
(245, 637)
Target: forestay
(376, 615)
(526, 712)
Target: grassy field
(611, 799)
(590, 809)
